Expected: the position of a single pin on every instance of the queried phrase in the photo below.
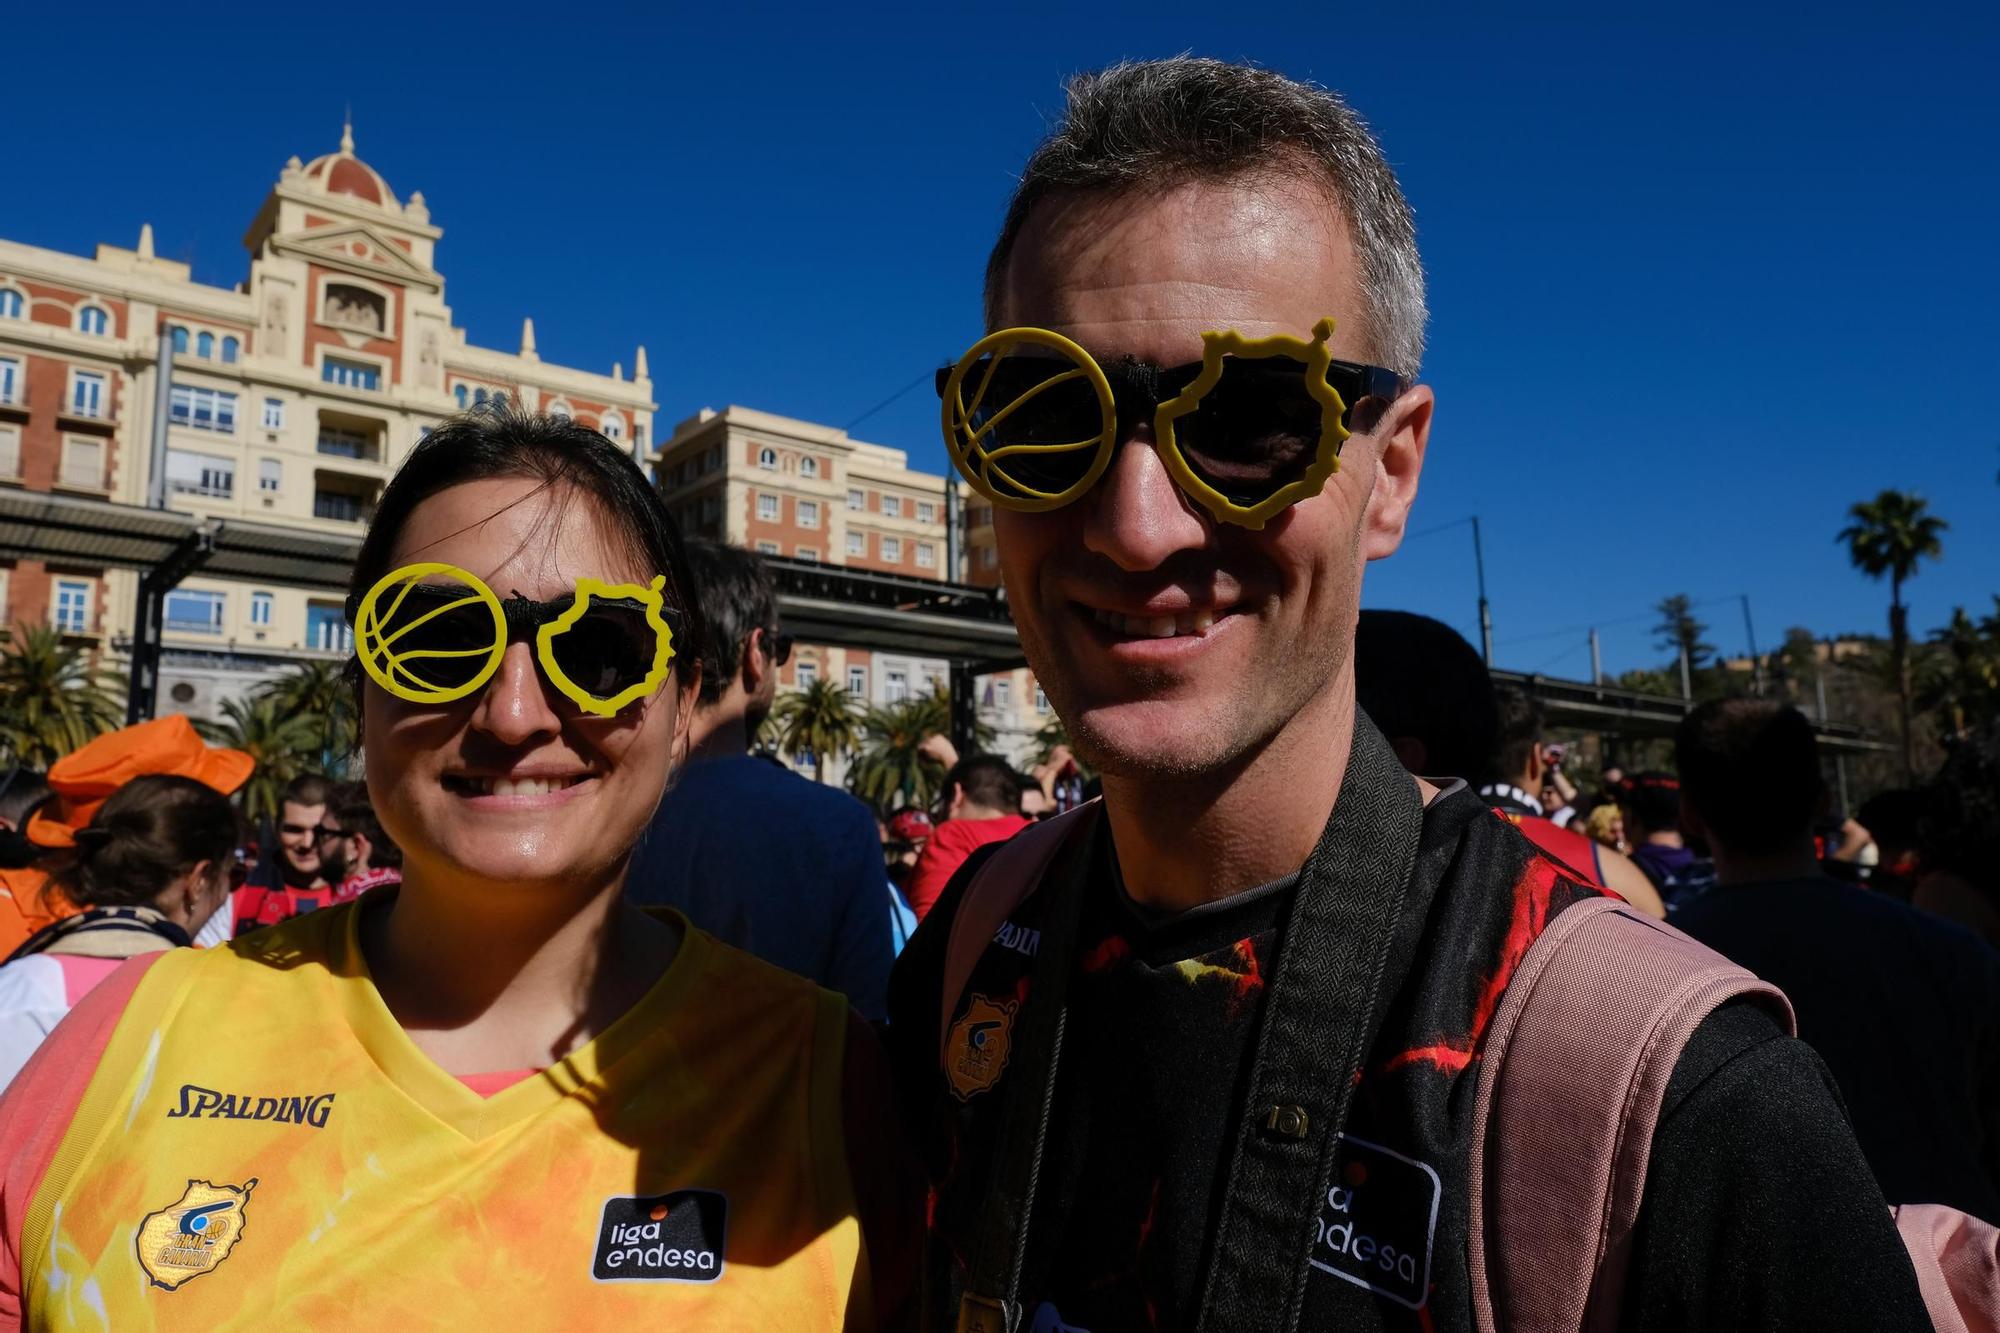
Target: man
(1426, 688)
(981, 804)
(1269, 934)
(356, 852)
(297, 879)
(1904, 1008)
(1651, 805)
(760, 857)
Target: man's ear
(367, 848)
(1401, 438)
(756, 664)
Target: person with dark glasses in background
(1207, 1053)
(495, 1093)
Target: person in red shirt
(982, 804)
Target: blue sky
(1700, 277)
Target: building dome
(344, 173)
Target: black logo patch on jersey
(1377, 1223)
(674, 1237)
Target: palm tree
(318, 691)
(1960, 679)
(1893, 534)
(283, 744)
(53, 696)
(819, 720)
(888, 771)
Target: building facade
(292, 398)
(794, 488)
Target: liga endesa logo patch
(1377, 1223)
(674, 1237)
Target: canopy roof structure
(968, 626)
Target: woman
(496, 1090)
(152, 866)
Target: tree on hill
(1891, 536)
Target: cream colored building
(293, 396)
(785, 487)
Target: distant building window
(460, 394)
(92, 320)
(205, 475)
(808, 513)
(767, 548)
(10, 452)
(350, 374)
(191, 612)
(10, 380)
(270, 474)
(926, 556)
(857, 543)
(808, 467)
(479, 397)
(892, 506)
(83, 462)
(895, 686)
(204, 346)
(1041, 700)
(767, 508)
(767, 459)
(711, 508)
(346, 443)
(892, 549)
(1003, 694)
(10, 303)
(806, 673)
(86, 393)
(231, 349)
(857, 682)
(327, 630)
(926, 512)
(558, 408)
(856, 501)
(714, 458)
(274, 414)
(499, 400)
(180, 340)
(72, 606)
(260, 608)
(339, 505)
(202, 409)
(612, 427)
(808, 553)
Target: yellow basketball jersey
(263, 1145)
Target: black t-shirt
(1905, 1010)
(1759, 1213)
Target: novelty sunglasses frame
(371, 646)
(962, 442)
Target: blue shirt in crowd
(778, 866)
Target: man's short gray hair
(1157, 124)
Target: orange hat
(85, 778)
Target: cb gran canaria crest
(193, 1234)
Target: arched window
(231, 347)
(560, 408)
(767, 459)
(479, 398)
(180, 336)
(499, 401)
(613, 426)
(92, 320)
(10, 303)
(459, 393)
(204, 346)
(808, 467)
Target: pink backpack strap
(1957, 1258)
(1575, 1069)
(1001, 885)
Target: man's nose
(515, 707)
(1136, 516)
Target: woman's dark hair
(151, 831)
(505, 441)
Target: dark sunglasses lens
(1037, 418)
(609, 650)
(1257, 430)
(440, 635)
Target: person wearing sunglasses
(1205, 1053)
(495, 1091)
(154, 863)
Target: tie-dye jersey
(686, 1168)
(1163, 1016)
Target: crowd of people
(575, 1010)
